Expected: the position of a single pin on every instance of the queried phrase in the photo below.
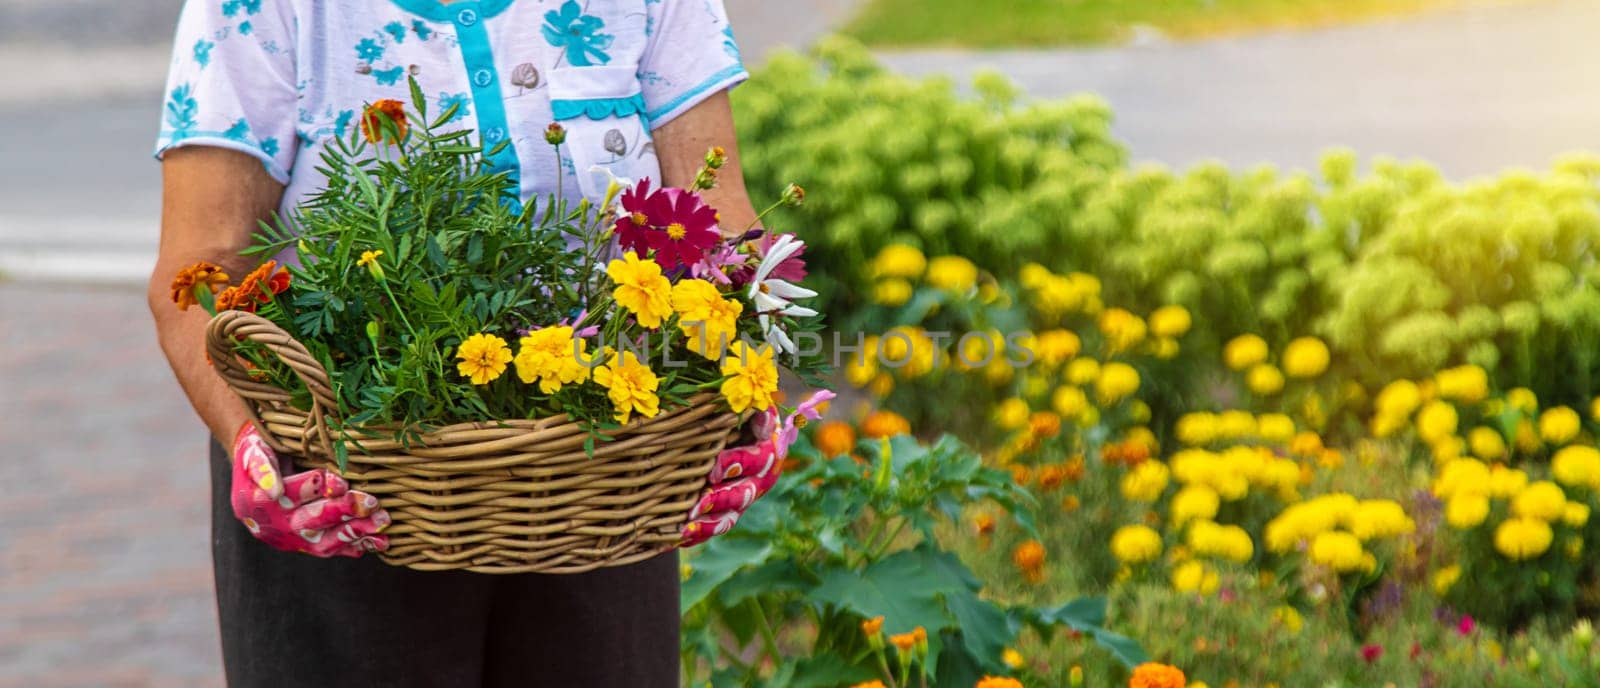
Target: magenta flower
(634, 223)
(1466, 625)
(782, 431)
(687, 231)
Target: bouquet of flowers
(426, 333)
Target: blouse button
(482, 78)
(466, 17)
(494, 135)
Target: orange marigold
(191, 278)
(1154, 675)
(869, 684)
(235, 299)
(872, 626)
(1029, 556)
(998, 682)
(1052, 476)
(372, 125)
(1044, 424)
(835, 438)
(881, 423)
(984, 523)
(903, 641)
(264, 281)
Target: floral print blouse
(279, 79)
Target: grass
(1041, 23)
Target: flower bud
(716, 157)
(1075, 677)
(793, 195)
(555, 134)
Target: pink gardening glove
(314, 512)
(743, 474)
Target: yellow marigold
(1436, 421)
(884, 423)
(892, 292)
(1083, 371)
(1193, 503)
(1505, 483)
(1116, 382)
(630, 384)
(1135, 544)
(834, 438)
(1033, 275)
(1575, 514)
(1543, 500)
(482, 358)
(552, 356)
(1337, 550)
(1029, 558)
(1170, 321)
(1194, 576)
(1522, 538)
(368, 258)
(1244, 351)
(1054, 347)
(1306, 444)
(1577, 466)
(1468, 384)
(1306, 357)
(1197, 429)
(998, 682)
(1289, 617)
(1236, 424)
(1139, 412)
(1594, 409)
(862, 368)
(1145, 482)
(1467, 476)
(751, 377)
(1264, 379)
(193, 277)
(1011, 413)
(1398, 399)
(1379, 518)
(709, 322)
(1559, 425)
(953, 273)
(899, 260)
(1526, 438)
(1069, 401)
(1465, 511)
(1445, 579)
(1012, 659)
(1524, 400)
(1487, 443)
(641, 288)
(1229, 542)
(1153, 675)
(1275, 427)
(1123, 330)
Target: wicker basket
(509, 497)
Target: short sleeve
(232, 82)
(689, 56)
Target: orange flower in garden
(869, 684)
(1044, 424)
(234, 299)
(1153, 675)
(984, 523)
(835, 438)
(372, 124)
(1021, 474)
(904, 641)
(881, 423)
(191, 278)
(264, 281)
(998, 682)
(872, 626)
(1052, 476)
(1029, 556)
(1070, 503)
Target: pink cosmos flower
(783, 431)
(676, 224)
(1371, 653)
(1466, 625)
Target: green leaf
(904, 588)
(828, 671)
(776, 575)
(417, 100)
(713, 563)
(985, 630)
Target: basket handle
(223, 334)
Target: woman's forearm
(211, 201)
(681, 146)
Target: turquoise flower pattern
(390, 76)
(578, 34)
(369, 50)
(446, 100)
(202, 52)
(421, 29)
(397, 30)
(240, 131)
(181, 108)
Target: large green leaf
(776, 575)
(985, 631)
(828, 671)
(903, 587)
(1088, 615)
(715, 562)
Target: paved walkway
(1476, 90)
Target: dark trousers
(292, 620)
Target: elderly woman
(258, 88)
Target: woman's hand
(314, 512)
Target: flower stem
(768, 637)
